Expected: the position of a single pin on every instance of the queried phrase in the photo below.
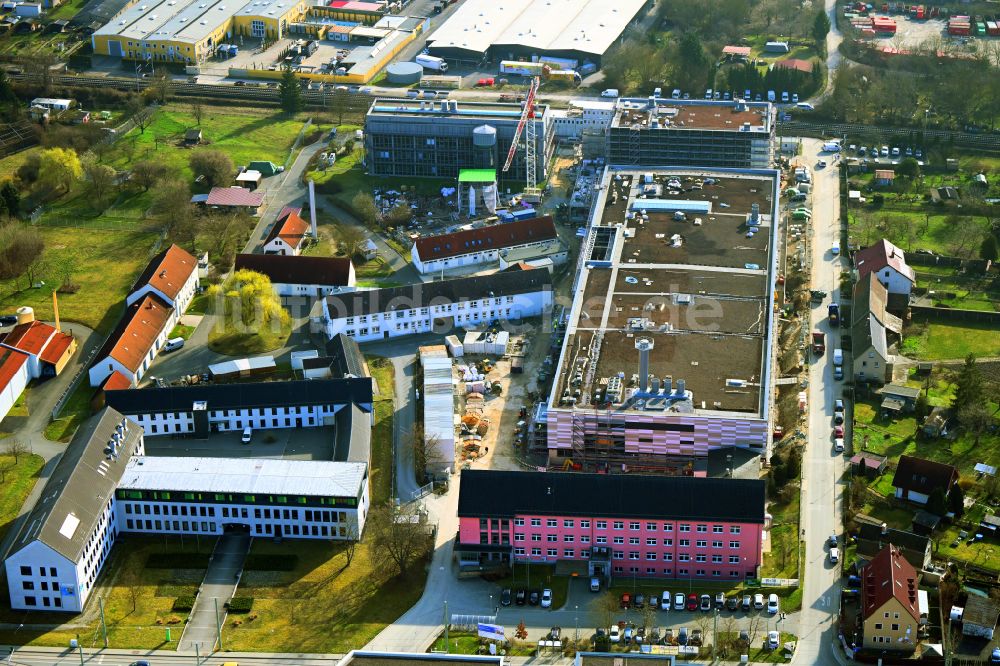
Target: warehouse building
(190, 31)
(667, 354)
(578, 30)
(699, 133)
(407, 137)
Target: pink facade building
(617, 525)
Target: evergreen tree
(988, 250)
(820, 29)
(290, 92)
(956, 501)
(937, 503)
(969, 385)
(11, 198)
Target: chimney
(55, 309)
(312, 208)
(163, 273)
(644, 345)
(885, 529)
(668, 384)
(680, 387)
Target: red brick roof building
(481, 246)
(288, 233)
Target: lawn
(11, 163)
(142, 625)
(934, 341)
(323, 605)
(382, 435)
(17, 481)
(781, 561)
(75, 411)
(242, 133)
(181, 331)
(465, 643)
(103, 264)
(239, 342)
(909, 229)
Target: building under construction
(439, 138)
(666, 357)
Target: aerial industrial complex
(667, 354)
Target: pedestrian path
(219, 585)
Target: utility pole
(104, 625)
(197, 657)
(218, 622)
(446, 626)
(79, 646)
(715, 632)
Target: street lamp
(576, 622)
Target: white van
(834, 555)
(173, 344)
(610, 92)
(676, 94)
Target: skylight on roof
(69, 526)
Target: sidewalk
(219, 585)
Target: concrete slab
(277, 443)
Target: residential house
(871, 297)
(54, 562)
(441, 306)
(870, 355)
(484, 246)
(172, 276)
(884, 177)
(889, 606)
(888, 263)
(872, 538)
(288, 233)
(898, 399)
(916, 478)
(235, 199)
(936, 423)
(979, 618)
(301, 276)
(135, 342)
(677, 527)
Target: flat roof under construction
(733, 116)
(697, 285)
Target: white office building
(438, 307)
(66, 539)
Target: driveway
(822, 469)
(219, 585)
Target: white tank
(25, 314)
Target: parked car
(747, 604)
(626, 600)
(692, 602)
(772, 603)
(833, 541)
(679, 601)
(546, 598)
(247, 435)
(505, 597)
(8, 320)
(838, 405)
(520, 597)
(772, 640)
(595, 584)
(733, 603)
(838, 431)
(533, 597)
(654, 602)
(555, 633)
(615, 635)
(682, 636)
(695, 638)
(758, 601)
(720, 600)
(705, 603)
(834, 555)
(628, 635)
(640, 601)
(665, 601)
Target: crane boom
(528, 113)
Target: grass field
(125, 575)
(75, 411)
(102, 263)
(18, 480)
(909, 230)
(11, 163)
(381, 472)
(936, 341)
(225, 339)
(323, 605)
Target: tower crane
(531, 192)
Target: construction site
(667, 354)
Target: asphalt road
(822, 468)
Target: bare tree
(198, 111)
(148, 173)
(351, 239)
(976, 418)
(398, 535)
(753, 628)
(162, 86)
(705, 623)
(607, 606)
(350, 546)
(15, 448)
(101, 178)
(730, 629)
(428, 459)
(140, 114)
(133, 585)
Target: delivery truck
(431, 62)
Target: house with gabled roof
(172, 275)
(916, 478)
(484, 246)
(889, 606)
(135, 342)
(292, 275)
(288, 234)
(888, 263)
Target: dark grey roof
(434, 293)
(871, 540)
(81, 484)
(354, 435)
(242, 395)
(869, 332)
(901, 391)
(981, 611)
(345, 357)
(497, 493)
(292, 269)
(619, 659)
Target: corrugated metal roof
(313, 478)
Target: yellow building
(190, 31)
(889, 606)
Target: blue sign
(491, 631)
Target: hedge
(271, 562)
(177, 561)
(240, 604)
(182, 604)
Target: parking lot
(278, 443)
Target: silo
(484, 147)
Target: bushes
(271, 562)
(182, 604)
(177, 561)
(240, 604)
